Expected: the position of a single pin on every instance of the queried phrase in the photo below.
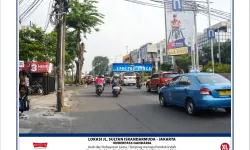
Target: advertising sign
(180, 32)
(121, 67)
(36, 67)
(126, 58)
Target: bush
(68, 80)
(223, 68)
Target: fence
(48, 84)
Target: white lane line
(24, 130)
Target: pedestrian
(181, 71)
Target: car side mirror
(149, 77)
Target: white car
(128, 78)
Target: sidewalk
(49, 101)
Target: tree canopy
(100, 63)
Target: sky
(126, 26)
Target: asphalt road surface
(134, 111)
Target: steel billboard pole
(211, 40)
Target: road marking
(77, 93)
(24, 130)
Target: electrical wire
(28, 9)
(33, 10)
(48, 15)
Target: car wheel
(163, 103)
(190, 106)
(228, 110)
(158, 89)
(148, 88)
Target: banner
(125, 143)
(180, 31)
(123, 67)
(36, 67)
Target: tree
(35, 44)
(166, 67)
(100, 64)
(225, 49)
(83, 18)
(183, 62)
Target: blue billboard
(121, 67)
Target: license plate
(223, 93)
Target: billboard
(180, 32)
(126, 58)
(122, 67)
(36, 67)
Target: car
(197, 91)
(128, 78)
(157, 80)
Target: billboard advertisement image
(123, 67)
(180, 32)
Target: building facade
(222, 34)
(126, 58)
(161, 53)
(134, 56)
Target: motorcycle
(99, 89)
(138, 85)
(116, 90)
(36, 88)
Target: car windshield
(129, 74)
(208, 79)
(169, 75)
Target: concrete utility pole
(219, 45)
(63, 54)
(59, 56)
(196, 36)
(211, 40)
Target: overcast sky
(126, 24)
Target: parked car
(157, 80)
(197, 91)
(128, 78)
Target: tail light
(204, 91)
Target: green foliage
(68, 80)
(183, 62)
(165, 67)
(100, 64)
(35, 44)
(225, 49)
(223, 68)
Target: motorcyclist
(116, 81)
(100, 81)
(138, 79)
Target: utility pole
(59, 56)
(166, 28)
(211, 40)
(219, 45)
(196, 36)
(63, 53)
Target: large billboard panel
(180, 32)
(123, 67)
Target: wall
(226, 75)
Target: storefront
(40, 72)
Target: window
(209, 79)
(174, 81)
(184, 80)
(169, 75)
(129, 74)
(155, 76)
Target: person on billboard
(175, 24)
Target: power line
(33, 10)
(48, 14)
(28, 9)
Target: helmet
(209, 70)
(101, 76)
(116, 76)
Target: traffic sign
(21, 64)
(177, 5)
(211, 33)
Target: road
(134, 111)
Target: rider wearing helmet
(116, 80)
(100, 80)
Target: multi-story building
(148, 52)
(126, 58)
(222, 34)
(134, 56)
(161, 53)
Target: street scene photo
(125, 66)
